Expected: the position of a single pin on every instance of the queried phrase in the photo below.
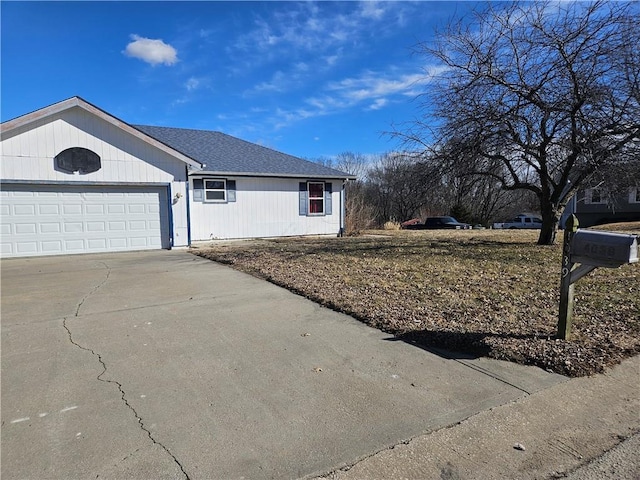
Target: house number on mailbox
(588, 249)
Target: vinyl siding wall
(264, 207)
(28, 156)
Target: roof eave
(272, 175)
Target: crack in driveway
(123, 395)
(94, 289)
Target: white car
(523, 221)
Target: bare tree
(360, 214)
(354, 163)
(399, 188)
(538, 96)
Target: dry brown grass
(486, 292)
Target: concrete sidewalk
(166, 365)
(571, 430)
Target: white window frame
(634, 194)
(223, 190)
(310, 199)
(589, 197)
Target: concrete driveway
(165, 365)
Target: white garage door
(64, 219)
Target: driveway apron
(166, 365)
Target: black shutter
(198, 190)
(231, 190)
(303, 198)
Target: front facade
(75, 179)
(597, 206)
(251, 207)
(248, 191)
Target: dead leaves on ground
(489, 292)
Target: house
(598, 206)
(76, 179)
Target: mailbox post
(588, 249)
(566, 287)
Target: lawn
(487, 292)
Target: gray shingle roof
(224, 154)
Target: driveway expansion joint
(492, 375)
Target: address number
(599, 250)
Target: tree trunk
(550, 219)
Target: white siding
(27, 155)
(264, 207)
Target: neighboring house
(75, 179)
(596, 206)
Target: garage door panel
(94, 210)
(76, 245)
(26, 228)
(71, 209)
(48, 219)
(116, 209)
(26, 247)
(46, 228)
(140, 242)
(137, 225)
(51, 246)
(26, 210)
(117, 243)
(99, 243)
(49, 209)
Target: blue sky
(312, 79)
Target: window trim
(634, 195)
(223, 189)
(77, 160)
(303, 199)
(589, 197)
(315, 199)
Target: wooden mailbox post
(583, 251)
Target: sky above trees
(309, 78)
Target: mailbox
(603, 249)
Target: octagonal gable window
(77, 159)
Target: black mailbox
(603, 249)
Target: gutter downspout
(342, 232)
(187, 199)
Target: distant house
(597, 206)
(76, 179)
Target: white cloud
(332, 59)
(152, 51)
(281, 81)
(378, 103)
(317, 28)
(192, 84)
(277, 83)
(370, 91)
(372, 9)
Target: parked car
(433, 223)
(521, 222)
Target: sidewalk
(570, 430)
